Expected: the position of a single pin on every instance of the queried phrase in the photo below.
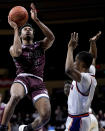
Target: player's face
(27, 33)
(78, 64)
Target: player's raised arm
(70, 69)
(49, 39)
(16, 48)
(93, 47)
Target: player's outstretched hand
(73, 40)
(95, 38)
(33, 11)
(12, 24)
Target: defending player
(29, 58)
(93, 51)
(93, 120)
(82, 88)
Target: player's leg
(17, 92)
(85, 124)
(69, 122)
(44, 109)
(94, 123)
(94, 129)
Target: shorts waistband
(28, 74)
(81, 115)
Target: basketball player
(83, 86)
(93, 51)
(94, 121)
(29, 58)
(2, 107)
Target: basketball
(19, 15)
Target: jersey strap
(28, 74)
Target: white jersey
(81, 93)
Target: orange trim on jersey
(70, 125)
(82, 115)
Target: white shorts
(94, 123)
(78, 123)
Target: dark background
(63, 17)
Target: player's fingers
(33, 11)
(8, 18)
(76, 36)
(33, 6)
(98, 34)
(90, 39)
(71, 35)
(9, 21)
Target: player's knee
(15, 98)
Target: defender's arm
(69, 66)
(49, 39)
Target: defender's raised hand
(74, 40)
(95, 38)
(33, 11)
(93, 47)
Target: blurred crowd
(57, 122)
(26, 114)
(101, 118)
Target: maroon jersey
(32, 60)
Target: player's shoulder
(92, 70)
(85, 75)
(85, 78)
(88, 78)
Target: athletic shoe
(21, 127)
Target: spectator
(58, 114)
(100, 114)
(14, 125)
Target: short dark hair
(27, 24)
(85, 57)
(67, 82)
